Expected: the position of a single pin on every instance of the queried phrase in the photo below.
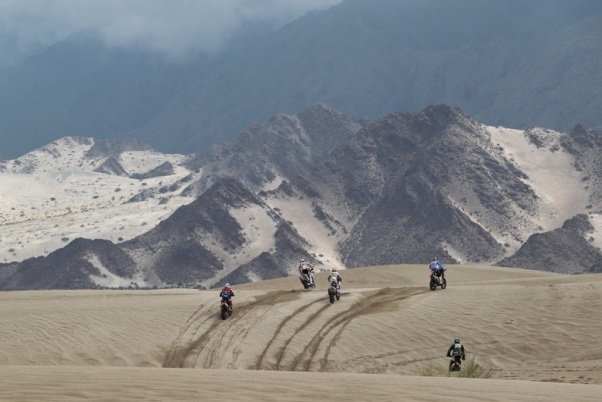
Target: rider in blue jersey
(436, 265)
(436, 269)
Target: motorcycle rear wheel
(224, 312)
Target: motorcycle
(334, 292)
(438, 279)
(455, 364)
(226, 309)
(307, 279)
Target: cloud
(173, 27)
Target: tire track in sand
(177, 353)
(279, 330)
(295, 325)
(231, 334)
(371, 302)
(206, 320)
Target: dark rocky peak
(209, 211)
(285, 146)
(108, 147)
(561, 250)
(581, 138)
(311, 128)
(327, 127)
(578, 224)
(320, 115)
(390, 146)
(277, 120)
(437, 118)
(427, 127)
(70, 267)
(107, 252)
(436, 135)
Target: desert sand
(539, 335)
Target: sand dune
(539, 334)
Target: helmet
(434, 258)
(227, 285)
(456, 340)
(333, 270)
(302, 260)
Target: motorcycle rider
(456, 352)
(334, 278)
(305, 269)
(436, 268)
(226, 294)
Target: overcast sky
(170, 26)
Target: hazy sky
(170, 26)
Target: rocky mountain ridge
(402, 189)
(281, 148)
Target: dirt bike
(307, 279)
(226, 309)
(438, 279)
(334, 292)
(455, 364)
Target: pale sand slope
(375, 343)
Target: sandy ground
(539, 334)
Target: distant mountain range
(514, 63)
(333, 189)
